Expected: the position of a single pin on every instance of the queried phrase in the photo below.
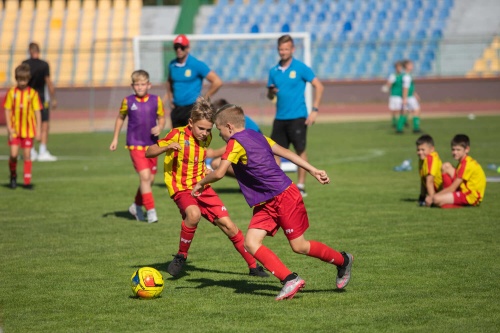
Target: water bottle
(492, 166)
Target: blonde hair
(230, 113)
(139, 75)
(22, 72)
(202, 110)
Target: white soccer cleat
(152, 218)
(136, 212)
(46, 157)
(33, 154)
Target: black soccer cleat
(13, 182)
(258, 271)
(175, 266)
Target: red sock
(447, 180)
(325, 253)
(148, 200)
(27, 172)
(272, 263)
(238, 241)
(13, 166)
(138, 197)
(187, 235)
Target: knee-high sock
(27, 172)
(148, 200)
(238, 241)
(13, 166)
(138, 197)
(187, 235)
(272, 263)
(401, 122)
(416, 123)
(325, 253)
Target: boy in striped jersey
(185, 151)
(23, 113)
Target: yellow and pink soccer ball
(146, 282)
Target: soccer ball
(146, 282)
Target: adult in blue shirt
(185, 81)
(287, 82)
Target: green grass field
(69, 248)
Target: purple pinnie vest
(142, 118)
(261, 179)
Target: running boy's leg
(236, 237)
(191, 217)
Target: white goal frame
(305, 36)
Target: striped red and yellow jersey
(22, 106)
(431, 166)
(186, 167)
(473, 180)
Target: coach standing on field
(40, 78)
(287, 81)
(185, 81)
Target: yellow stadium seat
(496, 42)
(480, 65)
(495, 65)
(489, 53)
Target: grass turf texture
(69, 247)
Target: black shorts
(180, 115)
(294, 131)
(45, 114)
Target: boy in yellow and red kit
(22, 110)
(429, 168)
(464, 185)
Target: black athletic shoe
(417, 131)
(175, 266)
(13, 182)
(258, 271)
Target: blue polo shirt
(187, 79)
(250, 124)
(291, 85)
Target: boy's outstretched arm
(156, 150)
(320, 175)
(212, 177)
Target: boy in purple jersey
(276, 201)
(145, 123)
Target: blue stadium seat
(366, 16)
(285, 27)
(373, 37)
(255, 28)
(347, 26)
(437, 34)
(358, 36)
(389, 36)
(421, 34)
(428, 14)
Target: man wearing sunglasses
(185, 82)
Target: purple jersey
(260, 179)
(142, 116)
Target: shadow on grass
(120, 214)
(254, 285)
(409, 200)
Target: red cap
(181, 39)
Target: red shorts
(141, 162)
(23, 142)
(211, 206)
(286, 211)
(460, 199)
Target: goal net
(242, 61)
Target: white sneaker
(46, 157)
(34, 154)
(136, 212)
(152, 218)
